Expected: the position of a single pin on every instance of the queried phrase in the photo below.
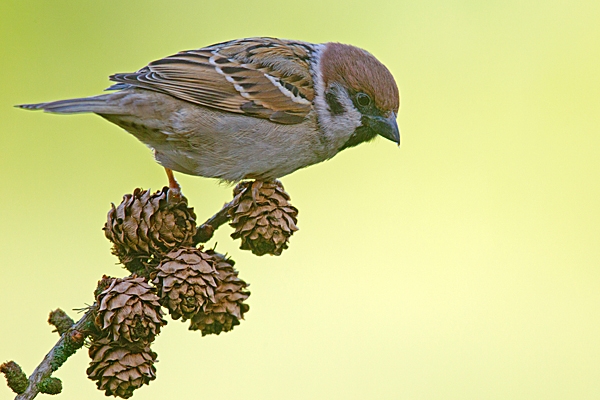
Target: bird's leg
(174, 188)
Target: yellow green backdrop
(464, 265)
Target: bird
(254, 108)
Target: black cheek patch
(334, 104)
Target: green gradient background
(464, 265)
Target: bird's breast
(202, 141)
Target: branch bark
(207, 229)
(67, 345)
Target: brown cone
(120, 370)
(228, 306)
(262, 217)
(186, 279)
(128, 311)
(145, 226)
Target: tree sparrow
(257, 108)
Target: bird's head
(358, 95)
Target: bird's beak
(386, 127)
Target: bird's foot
(174, 187)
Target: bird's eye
(363, 99)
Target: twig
(73, 335)
(207, 229)
(67, 345)
(60, 320)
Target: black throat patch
(361, 134)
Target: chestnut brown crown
(360, 71)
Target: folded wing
(262, 77)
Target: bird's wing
(262, 77)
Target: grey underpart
(198, 140)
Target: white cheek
(338, 128)
(350, 119)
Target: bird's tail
(98, 104)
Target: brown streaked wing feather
(285, 59)
(263, 77)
